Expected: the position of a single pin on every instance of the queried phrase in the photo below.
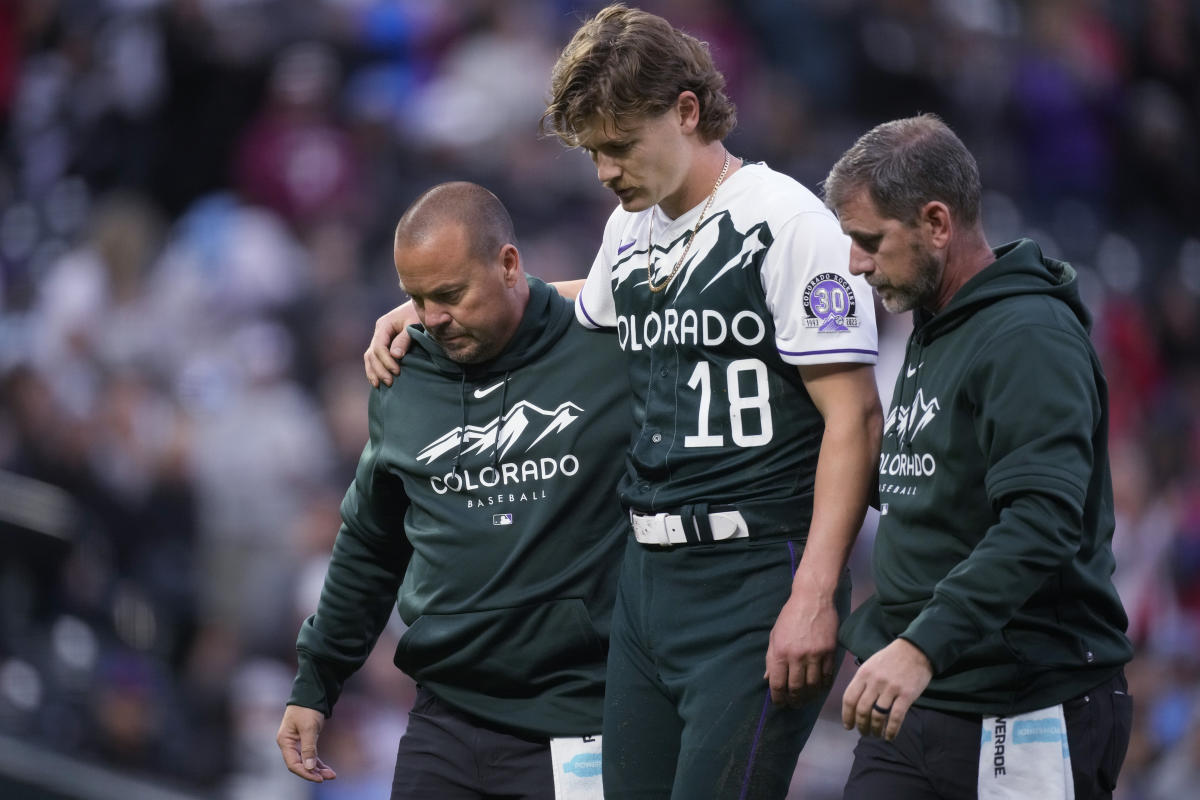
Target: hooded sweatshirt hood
(1019, 269)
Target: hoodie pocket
(503, 650)
(1044, 648)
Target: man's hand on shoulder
(389, 344)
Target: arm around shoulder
(389, 344)
(569, 289)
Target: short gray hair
(905, 164)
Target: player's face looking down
(466, 304)
(893, 256)
(646, 160)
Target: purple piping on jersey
(583, 308)
(762, 719)
(827, 352)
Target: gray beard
(919, 292)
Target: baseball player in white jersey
(756, 420)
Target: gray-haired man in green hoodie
(992, 653)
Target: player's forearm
(846, 467)
(569, 289)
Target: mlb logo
(502, 519)
(883, 508)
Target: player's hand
(297, 740)
(884, 688)
(389, 344)
(800, 656)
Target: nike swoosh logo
(482, 393)
(626, 246)
(910, 371)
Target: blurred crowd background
(196, 207)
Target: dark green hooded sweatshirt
(484, 505)
(993, 553)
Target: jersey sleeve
(822, 313)
(594, 306)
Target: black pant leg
(935, 756)
(1098, 728)
(446, 754)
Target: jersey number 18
(738, 404)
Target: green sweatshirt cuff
(312, 689)
(941, 633)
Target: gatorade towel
(1026, 756)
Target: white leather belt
(668, 529)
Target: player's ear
(688, 109)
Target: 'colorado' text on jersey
(721, 414)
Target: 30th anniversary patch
(829, 304)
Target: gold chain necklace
(691, 237)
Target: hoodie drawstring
(462, 431)
(500, 420)
(904, 432)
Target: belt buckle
(651, 529)
(728, 525)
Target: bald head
(477, 211)
(455, 257)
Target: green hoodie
(484, 506)
(993, 553)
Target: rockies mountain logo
(522, 422)
(910, 420)
(717, 241)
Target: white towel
(1026, 756)
(577, 768)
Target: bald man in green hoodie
(992, 653)
(483, 509)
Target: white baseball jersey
(722, 415)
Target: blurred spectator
(295, 159)
(1065, 94)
